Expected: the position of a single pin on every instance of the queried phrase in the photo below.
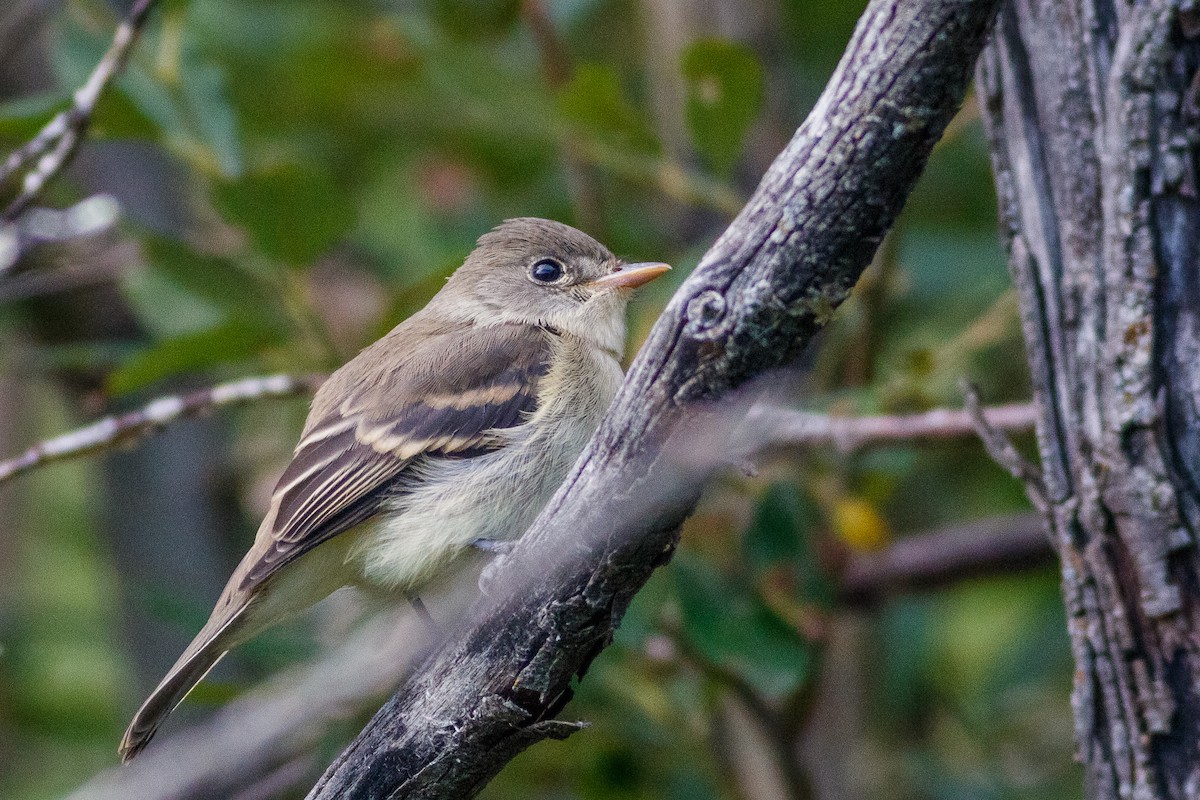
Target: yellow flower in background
(858, 524)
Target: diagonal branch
(124, 428)
(756, 299)
(55, 144)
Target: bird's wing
(442, 399)
(441, 394)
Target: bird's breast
(450, 503)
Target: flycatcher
(452, 431)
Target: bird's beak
(631, 276)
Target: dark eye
(546, 271)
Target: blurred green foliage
(724, 96)
(332, 162)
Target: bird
(447, 435)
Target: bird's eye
(546, 271)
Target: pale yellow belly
(459, 502)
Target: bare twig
(769, 427)
(782, 428)
(40, 226)
(56, 143)
(935, 559)
(115, 430)
(1002, 450)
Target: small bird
(449, 433)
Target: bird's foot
(489, 578)
(496, 546)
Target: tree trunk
(1093, 110)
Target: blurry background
(295, 177)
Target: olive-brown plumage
(454, 428)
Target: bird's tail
(209, 647)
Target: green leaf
(292, 213)
(119, 117)
(476, 19)
(593, 102)
(164, 308)
(24, 117)
(229, 342)
(194, 114)
(159, 105)
(733, 628)
(207, 99)
(219, 281)
(775, 534)
(781, 536)
(182, 291)
(725, 90)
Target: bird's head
(537, 271)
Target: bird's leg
(423, 613)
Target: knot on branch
(705, 315)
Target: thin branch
(782, 428)
(39, 226)
(153, 417)
(769, 427)
(56, 143)
(556, 62)
(106, 269)
(927, 561)
(1002, 451)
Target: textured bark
(755, 300)
(1093, 111)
